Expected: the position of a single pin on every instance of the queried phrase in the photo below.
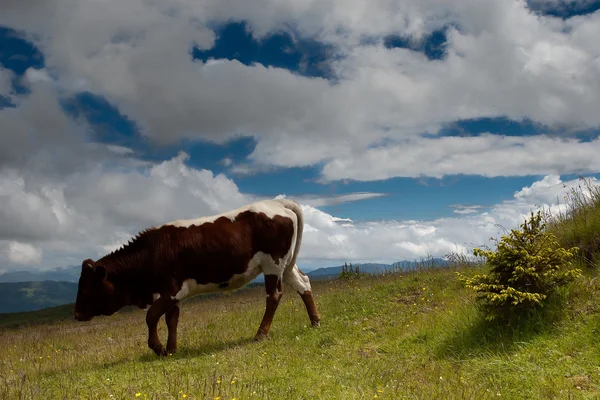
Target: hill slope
(377, 268)
(399, 336)
(28, 296)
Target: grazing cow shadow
(190, 352)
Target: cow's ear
(100, 271)
(87, 264)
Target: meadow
(404, 335)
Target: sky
(405, 128)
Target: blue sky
(306, 54)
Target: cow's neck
(126, 270)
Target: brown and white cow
(163, 265)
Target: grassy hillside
(579, 224)
(29, 296)
(37, 317)
(413, 335)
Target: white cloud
(487, 155)
(91, 213)
(37, 135)
(504, 60)
(23, 253)
(66, 199)
(86, 212)
(33, 75)
(461, 209)
(396, 240)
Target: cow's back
(216, 248)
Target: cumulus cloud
(23, 253)
(487, 155)
(87, 215)
(37, 134)
(390, 241)
(33, 75)
(63, 197)
(503, 59)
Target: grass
(38, 317)
(413, 335)
(579, 223)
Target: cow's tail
(297, 209)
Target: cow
(163, 265)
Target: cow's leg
(156, 310)
(172, 319)
(274, 289)
(301, 283)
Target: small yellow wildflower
(219, 381)
(379, 390)
(184, 395)
(138, 394)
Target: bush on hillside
(528, 266)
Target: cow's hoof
(260, 336)
(316, 323)
(159, 350)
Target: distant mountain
(333, 272)
(68, 274)
(375, 268)
(430, 262)
(29, 296)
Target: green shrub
(528, 266)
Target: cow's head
(95, 294)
